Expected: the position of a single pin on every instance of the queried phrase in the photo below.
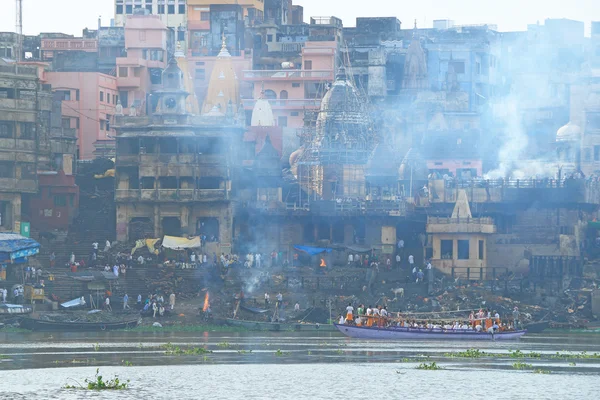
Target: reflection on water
(286, 366)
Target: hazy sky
(71, 16)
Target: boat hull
(53, 326)
(398, 333)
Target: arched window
(283, 95)
(269, 94)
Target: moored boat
(401, 333)
(43, 325)
(14, 310)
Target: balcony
(69, 45)
(172, 195)
(23, 145)
(17, 104)
(129, 82)
(288, 74)
(18, 185)
(288, 104)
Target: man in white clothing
(125, 302)
(350, 259)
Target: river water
(289, 365)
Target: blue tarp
(312, 250)
(14, 247)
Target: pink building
(89, 100)
(146, 41)
(292, 90)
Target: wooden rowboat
(42, 325)
(400, 333)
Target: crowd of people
(378, 316)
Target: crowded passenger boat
(482, 323)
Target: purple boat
(400, 333)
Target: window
(129, 9)
(308, 64)
(200, 74)
(283, 94)
(459, 66)
(6, 129)
(108, 98)
(76, 122)
(161, 9)
(102, 124)
(137, 72)
(64, 95)
(60, 200)
(587, 155)
(171, 9)
(27, 130)
(296, 84)
(77, 94)
(123, 97)
(116, 98)
(120, 9)
(123, 72)
(181, 35)
(294, 113)
(142, 36)
(269, 38)
(270, 95)
(7, 169)
(182, 9)
(478, 68)
(101, 96)
(481, 253)
(447, 250)
(156, 55)
(204, 16)
(596, 153)
(463, 249)
(66, 122)
(149, 8)
(282, 121)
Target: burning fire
(206, 303)
(323, 263)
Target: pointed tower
(191, 103)
(173, 95)
(263, 126)
(223, 87)
(415, 65)
(459, 242)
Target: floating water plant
(541, 371)
(521, 366)
(97, 347)
(224, 345)
(429, 367)
(470, 353)
(98, 383)
(171, 349)
(280, 353)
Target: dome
(343, 117)
(569, 132)
(296, 155)
(415, 163)
(262, 114)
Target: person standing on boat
(125, 302)
(369, 314)
(516, 316)
(279, 298)
(350, 259)
(72, 258)
(411, 261)
(267, 297)
(349, 313)
(107, 306)
(95, 247)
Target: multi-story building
(34, 149)
(174, 170)
(173, 13)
